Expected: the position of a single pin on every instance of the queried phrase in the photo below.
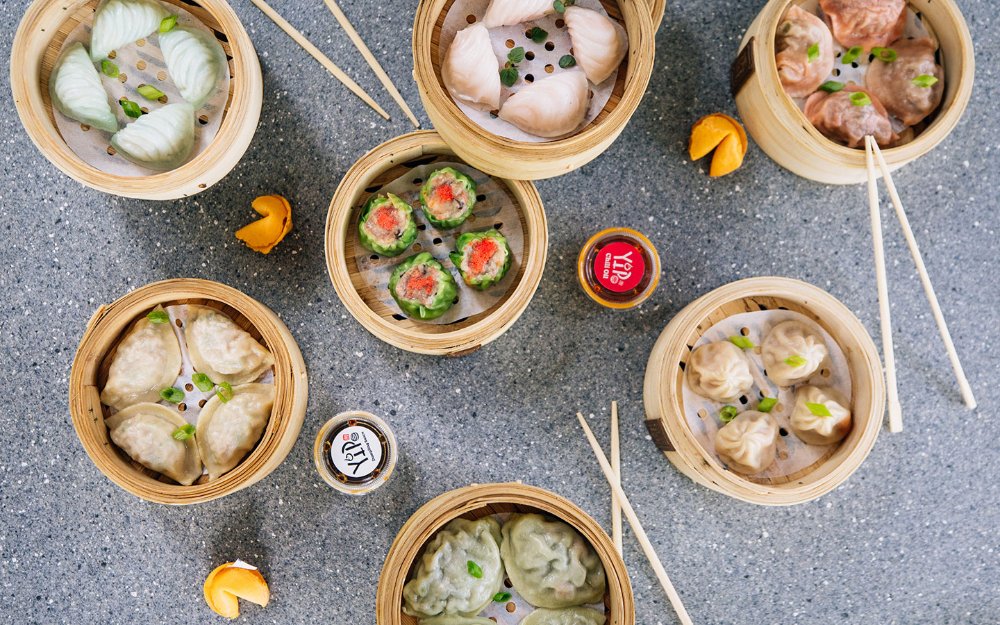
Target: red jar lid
(619, 268)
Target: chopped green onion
(795, 361)
(820, 410)
(150, 92)
(860, 98)
(502, 597)
(131, 108)
(741, 341)
(813, 52)
(184, 432)
(167, 24)
(538, 35)
(516, 55)
(508, 76)
(109, 69)
(851, 55)
(203, 382)
(172, 394)
(766, 404)
(728, 413)
(567, 60)
(832, 86)
(925, 81)
(886, 55)
(474, 569)
(158, 316)
(224, 392)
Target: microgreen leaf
(795, 361)
(567, 60)
(813, 52)
(508, 76)
(538, 35)
(167, 24)
(149, 92)
(860, 98)
(474, 569)
(820, 410)
(925, 81)
(832, 86)
(516, 55)
(559, 6)
(184, 432)
(131, 108)
(158, 316)
(172, 394)
(766, 404)
(203, 382)
(728, 413)
(109, 69)
(741, 341)
(851, 55)
(502, 597)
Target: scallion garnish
(795, 360)
(851, 55)
(184, 432)
(149, 92)
(886, 55)
(766, 404)
(860, 98)
(158, 316)
(538, 35)
(167, 24)
(567, 60)
(741, 341)
(832, 86)
(172, 394)
(109, 69)
(728, 413)
(812, 53)
(474, 569)
(224, 392)
(820, 410)
(925, 81)
(203, 382)
(502, 597)
(131, 108)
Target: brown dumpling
(865, 23)
(797, 32)
(892, 83)
(839, 119)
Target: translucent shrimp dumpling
(910, 87)
(565, 616)
(747, 444)
(599, 43)
(146, 361)
(228, 430)
(847, 116)
(161, 140)
(865, 23)
(221, 349)
(118, 23)
(510, 12)
(471, 71)
(718, 371)
(550, 107)
(196, 62)
(803, 52)
(146, 433)
(792, 352)
(76, 90)
(821, 415)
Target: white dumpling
(76, 90)
(510, 12)
(146, 361)
(162, 139)
(599, 42)
(792, 352)
(221, 349)
(146, 433)
(810, 421)
(227, 431)
(551, 107)
(195, 60)
(442, 583)
(550, 564)
(456, 619)
(565, 616)
(120, 22)
(718, 371)
(471, 71)
(747, 444)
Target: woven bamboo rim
(36, 45)
(480, 500)
(657, 9)
(518, 160)
(93, 358)
(382, 164)
(784, 132)
(665, 413)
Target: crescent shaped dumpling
(811, 423)
(599, 43)
(797, 32)
(510, 12)
(195, 61)
(718, 371)
(120, 22)
(471, 71)
(865, 23)
(747, 444)
(221, 349)
(792, 352)
(227, 431)
(456, 619)
(145, 432)
(565, 616)
(146, 361)
(161, 140)
(76, 90)
(892, 83)
(551, 107)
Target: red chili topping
(421, 284)
(482, 251)
(385, 217)
(444, 193)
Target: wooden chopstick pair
(330, 66)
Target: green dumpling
(448, 197)
(422, 287)
(482, 258)
(386, 225)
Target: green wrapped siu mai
(482, 258)
(422, 287)
(448, 197)
(386, 225)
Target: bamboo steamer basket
(387, 162)
(665, 413)
(481, 500)
(784, 133)
(35, 50)
(657, 9)
(520, 160)
(93, 358)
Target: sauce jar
(618, 268)
(355, 452)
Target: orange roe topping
(421, 284)
(444, 193)
(482, 251)
(385, 217)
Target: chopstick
(616, 464)
(633, 522)
(372, 61)
(319, 56)
(904, 222)
(895, 411)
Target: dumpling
(865, 23)
(161, 140)
(147, 361)
(821, 415)
(599, 43)
(145, 432)
(228, 430)
(551, 107)
(747, 444)
(893, 83)
(566, 616)
(798, 32)
(459, 571)
(120, 22)
(456, 619)
(550, 564)
(195, 61)
(471, 71)
(221, 349)
(718, 371)
(510, 12)
(76, 90)
(838, 118)
(792, 352)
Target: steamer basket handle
(659, 434)
(743, 68)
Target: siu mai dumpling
(221, 349)
(146, 361)
(550, 107)
(865, 23)
(718, 371)
(821, 415)
(847, 118)
(792, 352)
(804, 52)
(599, 43)
(196, 62)
(471, 71)
(228, 430)
(510, 12)
(146, 433)
(118, 23)
(910, 87)
(747, 444)
(161, 140)
(76, 90)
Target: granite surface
(910, 538)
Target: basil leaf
(728, 413)
(474, 569)
(741, 341)
(184, 432)
(203, 382)
(567, 60)
(538, 35)
(172, 394)
(767, 404)
(508, 76)
(158, 316)
(516, 55)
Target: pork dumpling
(718, 371)
(471, 71)
(865, 23)
(792, 352)
(456, 619)
(195, 60)
(747, 444)
(146, 361)
(910, 87)
(821, 415)
(565, 616)
(146, 433)
(221, 349)
(599, 43)
(510, 12)
(799, 33)
(161, 140)
(118, 23)
(840, 118)
(458, 572)
(550, 107)
(550, 564)
(76, 90)
(228, 430)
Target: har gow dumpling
(471, 71)
(551, 107)
(510, 12)
(221, 349)
(718, 371)
(821, 415)
(893, 83)
(118, 23)
(865, 23)
(747, 444)
(228, 430)
(161, 140)
(145, 432)
(195, 61)
(792, 352)
(799, 31)
(76, 90)
(599, 43)
(146, 361)
(566, 616)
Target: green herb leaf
(131, 108)
(150, 92)
(567, 60)
(109, 69)
(158, 316)
(508, 76)
(795, 360)
(851, 55)
(538, 35)
(741, 341)
(474, 569)
(767, 404)
(559, 6)
(886, 55)
(172, 394)
(812, 53)
(184, 432)
(925, 81)
(168, 23)
(860, 98)
(728, 413)
(224, 392)
(516, 55)
(820, 410)
(832, 86)
(502, 597)
(203, 382)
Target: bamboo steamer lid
(666, 418)
(35, 50)
(93, 357)
(481, 500)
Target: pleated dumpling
(221, 349)
(146, 361)
(911, 87)
(599, 42)
(550, 564)
(821, 415)
(471, 71)
(161, 140)
(551, 107)
(845, 120)
(146, 433)
(803, 52)
(865, 23)
(792, 352)
(195, 60)
(747, 444)
(118, 23)
(456, 619)
(76, 90)
(228, 430)
(510, 12)
(565, 616)
(718, 371)
(458, 572)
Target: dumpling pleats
(195, 61)
(161, 140)
(748, 443)
(221, 349)
(893, 83)
(120, 22)
(510, 12)
(146, 361)
(797, 32)
(599, 43)
(145, 432)
(227, 431)
(76, 90)
(565, 616)
(471, 71)
(551, 107)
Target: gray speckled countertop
(911, 538)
